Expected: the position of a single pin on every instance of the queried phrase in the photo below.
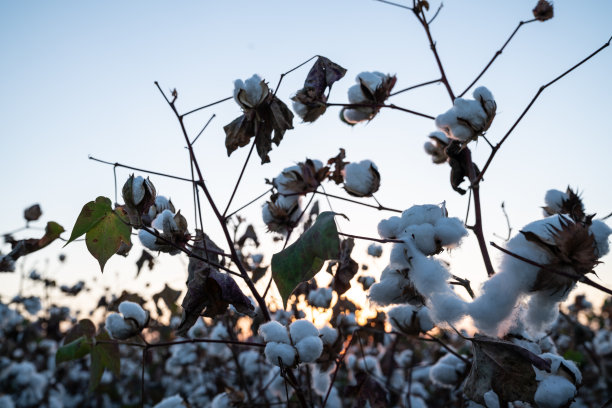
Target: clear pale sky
(77, 80)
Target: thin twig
(290, 71)
(542, 88)
(244, 166)
(249, 203)
(394, 4)
(383, 241)
(436, 14)
(435, 81)
(576, 277)
(139, 169)
(204, 128)
(503, 207)
(465, 283)
(497, 54)
(201, 107)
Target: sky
(78, 81)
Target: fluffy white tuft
(274, 331)
(285, 352)
(309, 349)
(131, 310)
(301, 329)
(359, 177)
(329, 335)
(554, 392)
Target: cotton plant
(371, 90)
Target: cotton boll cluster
(372, 88)
(361, 179)
(130, 322)
(436, 148)
(448, 371)
(320, 297)
(250, 93)
(302, 341)
(169, 228)
(162, 203)
(468, 118)
(282, 213)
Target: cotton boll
(404, 359)
(6, 402)
(355, 94)
(601, 232)
(422, 236)
(329, 335)
(165, 222)
(390, 228)
(285, 352)
(417, 402)
(388, 291)
(543, 309)
(138, 189)
(300, 109)
(422, 214)
(399, 255)
(362, 178)
(487, 102)
(250, 93)
(369, 364)
(119, 328)
(375, 250)
(148, 240)
(131, 310)
(557, 361)
(354, 116)
(174, 401)
(403, 318)
(309, 349)
(301, 329)
(449, 231)
(320, 297)
(428, 275)
(554, 392)
(425, 321)
(446, 371)
(320, 381)
(372, 80)
(274, 331)
(249, 361)
(449, 124)
(222, 400)
(554, 200)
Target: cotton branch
(542, 88)
(142, 170)
(220, 217)
(382, 241)
(497, 54)
(374, 106)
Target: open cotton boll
(557, 361)
(375, 250)
(274, 331)
(354, 116)
(301, 329)
(309, 349)
(285, 352)
(601, 232)
(138, 189)
(362, 178)
(449, 231)
(320, 297)
(371, 79)
(554, 392)
(554, 199)
(422, 214)
(131, 310)
(329, 335)
(486, 100)
(423, 236)
(449, 124)
(389, 290)
(119, 328)
(425, 321)
(254, 91)
(355, 94)
(222, 400)
(446, 371)
(148, 240)
(390, 228)
(543, 309)
(300, 108)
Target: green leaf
(105, 237)
(74, 350)
(304, 258)
(84, 327)
(103, 356)
(90, 215)
(575, 356)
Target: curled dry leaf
(543, 10)
(32, 213)
(338, 164)
(346, 267)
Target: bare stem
(380, 105)
(244, 166)
(203, 129)
(383, 241)
(497, 54)
(139, 169)
(291, 70)
(542, 88)
(249, 203)
(410, 88)
(201, 107)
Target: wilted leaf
(209, 293)
(103, 356)
(74, 350)
(26, 246)
(169, 296)
(201, 244)
(32, 213)
(458, 161)
(323, 74)
(503, 367)
(248, 234)
(304, 258)
(147, 258)
(346, 269)
(338, 163)
(238, 133)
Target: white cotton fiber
(329, 335)
(253, 92)
(487, 102)
(390, 228)
(301, 329)
(449, 231)
(557, 361)
(320, 297)
(491, 399)
(421, 214)
(131, 310)
(320, 381)
(543, 309)
(309, 349)
(138, 189)
(423, 236)
(148, 240)
(360, 178)
(401, 317)
(388, 290)
(174, 401)
(119, 328)
(371, 79)
(375, 250)
(554, 392)
(554, 199)
(285, 352)
(354, 116)
(601, 232)
(274, 331)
